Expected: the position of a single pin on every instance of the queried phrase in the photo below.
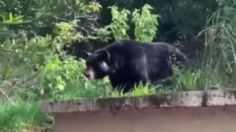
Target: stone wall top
(177, 99)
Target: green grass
(21, 115)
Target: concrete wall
(202, 119)
(190, 111)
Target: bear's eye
(103, 65)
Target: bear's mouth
(90, 74)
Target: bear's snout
(90, 74)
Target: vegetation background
(34, 66)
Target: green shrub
(119, 24)
(15, 117)
(145, 24)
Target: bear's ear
(87, 54)
(82, 54)
(104, 54)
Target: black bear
(129, 62)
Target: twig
(4, 94)
(30, 78)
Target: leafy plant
(145, 24)
(119, 24)
(67, 33)
(10, 19)
(58, 75)
(219, 54)
(42, 15)
(15, 118)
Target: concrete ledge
(179, 99)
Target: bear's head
(98, 65)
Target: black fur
(128, 62)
